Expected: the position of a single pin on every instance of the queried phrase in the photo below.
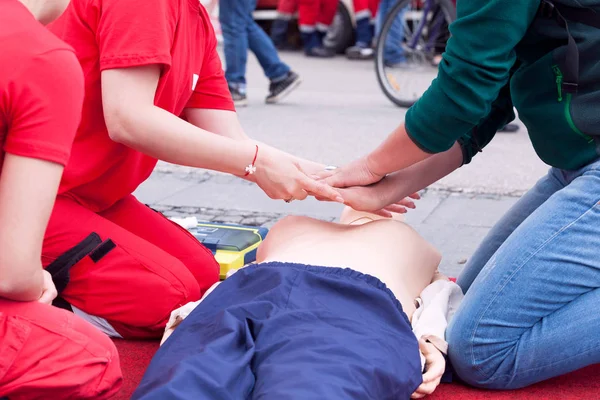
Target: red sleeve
(45, 100)
(134, 33)
(211, 91)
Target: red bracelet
(250, 169)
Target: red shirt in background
(41, 88)
(109, 34)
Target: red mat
(582, 384)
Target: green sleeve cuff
(501, 114)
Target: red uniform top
(109, 34)
(41, 88)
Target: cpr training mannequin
(325, 313)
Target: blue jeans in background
(531, 310)
(393, 53)
(240, 33)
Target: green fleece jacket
(499, 55)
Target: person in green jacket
(532, 287)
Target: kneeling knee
(478, 361)
(147, 310)
(169, 296)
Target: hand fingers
(339, 178)
(433, 374)
(415, 196)
(322, 174)
(300, 195)
(425, 347)
(319, 189)
(407, 203)
(47, 297)
(382, 213)
(425, 389)
(395, 208)
(434, 362)
(320, 198)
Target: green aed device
(232, 245)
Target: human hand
(49, 292)
(378, 198)
(309, 167)
(357, 173)
(371, 199)
(435, 365)
(281, 176)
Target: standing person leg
(364, 35)
(327, 13)
(393, 50)
(49, 353)
(279, 29)
(308, 11)
(538, 293)
(233, 18)
(283, 80)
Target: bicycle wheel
(411, 36)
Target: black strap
(60, 268)
(561, 13)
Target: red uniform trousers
(49, 353)
(287, 8)
(365, 8)
(316, 12)
(155, 267)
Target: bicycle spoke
(409, 43)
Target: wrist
(251, 168)
(395, 187)
(239, 156)
(374, 166)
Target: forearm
(396, 153)
(25, 207)
(417, 177)
(221, 122)
(309, 167)
(21, 287)
(162, 135)
(227, 124)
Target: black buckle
(546, 9)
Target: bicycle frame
(430, 5)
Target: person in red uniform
(364, 13)
(314, 19)
(45, 352)
(155, 89)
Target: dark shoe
(280, 89)
(238, 96)
(319, 52)
(360, 52)
(510, 128)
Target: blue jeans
(393, 52)
(532, 288)
(241, 32)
